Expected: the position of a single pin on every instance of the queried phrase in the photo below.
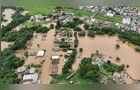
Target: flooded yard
(7, 15)
(47, 45)
(106, 46)
(5, 44)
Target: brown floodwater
(47, 45)
(106, 45)
(8, 14)
(5, 44)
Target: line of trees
(76, 40)
(68, 65)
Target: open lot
(34, 10)
(102, 17)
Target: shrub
(82, 33)
(137, 49)
(77, 28)
(80, 49)
(117, 46)
(91, 33)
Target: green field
(102, 17)
(57, 79)
(79, 12)
(104, 71)
(30, 24)
(34, 10)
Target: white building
(32, 70)
(116, 75)
(21, 69)
(55, 57)
(31, 77)
(110, 13)
(69, 51)
(40, 53)
(126, 21)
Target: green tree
(26, 54)
(117, 46)
(80, 49)
(86, 26)
(91, 33)
(51, 26)
(118, 59)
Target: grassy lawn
(102, 17)
(30, 24)
(57, 79)
(104, 71)
(79, 12)
(34, 10)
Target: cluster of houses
(28, 75)
(116, 76)
(130, 16)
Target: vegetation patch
(105, 18)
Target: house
(21, 69)
(93, 62)
(116, 75)
(69, 51)
(136, 81)
(55, 59)
(110, 13)
(56, 48)
(40, 53)
(32, 70)
(30, 77)
(100, 62)
(126, 21)
(32, 53)
(104, 80)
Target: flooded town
(70, 45)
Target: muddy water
(106, 45)
(8, 14)
(5, 44)
(47, 45)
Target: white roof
(40, 53)
(32, 70)
(69, 51)
(33, 77)
(21, 69)
(116, 74)
(55, 57)
(126, 21)
(110, 14)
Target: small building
(40, 53)
(32, 54)
(104, 80)
(21, 69)
(136, 81)
(100, 62)
(116, 75)
(69, 51)
(56, 48)
(55, 59)
(30, 77)
(126, 21)
(93, 62)
(32, 70)
(110, 13)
